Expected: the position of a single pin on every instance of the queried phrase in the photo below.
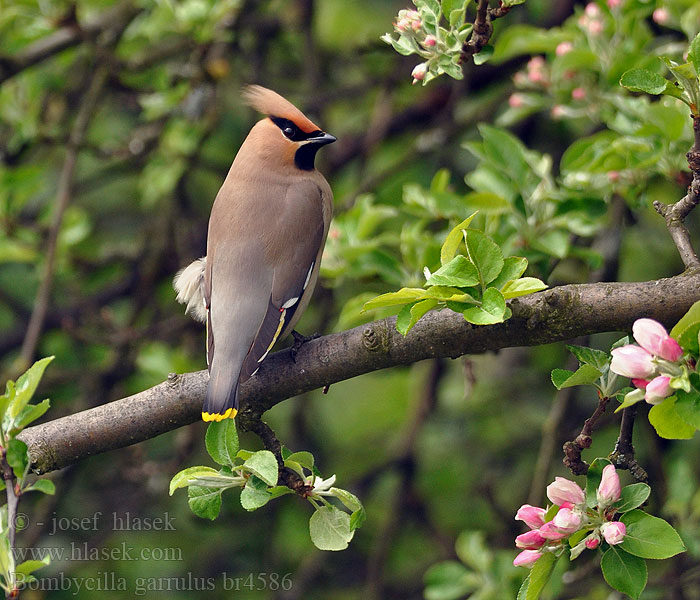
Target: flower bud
(632, 361)
(640, 383)
(532, 516)
(592, 10)
(614, 3)
(660, 16)
(419, 72)
(564, 48)
(578, 93)
(592, 542)
(562, 490)
(567, 521)
(516, 100)
(532, 540)
(609, 488)
(651, 335)
(429, 41)
(526, 558)
(614, 176)
(658, 389)
(613, 532)
(550, 531)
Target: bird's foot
(299, 341)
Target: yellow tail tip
(230, 413)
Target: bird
(267, 230)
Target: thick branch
(66, 37)
(553, 315)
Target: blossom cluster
(409, 23)
(651, 365)
(570, 516)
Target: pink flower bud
(595, 27)
(401, 25)
(566, 505)
(567, 521)
(651, 335)
(516, 100)
(658, 389)
(429, 41)
(562, 490)
(614, 3)
(632, 361)
(520, 79)
(609, 488)
(640, 383)
(532, 516)
(419, 72)
(592, 10)
(578, 93)
(660, 16)
(613, 532)
(614, 176)
(532, 540)
(526, 558)
(564, 48)
(550, 531)
(592, 542)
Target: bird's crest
(273, 105)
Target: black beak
(323, 139)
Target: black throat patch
(305, 156)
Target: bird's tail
(221, 401)
(189, 285)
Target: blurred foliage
(433, 449)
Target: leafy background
(441, 453)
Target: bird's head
(286, 135)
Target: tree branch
(483, 28)
(553, 315)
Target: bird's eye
(288, 131)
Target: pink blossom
(614, 176)
(536, 70)
(651, 335)
(640, 383)
(578, 93)
(520, 79)
(516, 101)
(592, 542)
(564, 48)
(567, 521)
(550, 531)
(429, 41)
(558, 111)
(613, 532)
(660, 16)
(532, 516)
(532, 540)
(526, 558)
(658, 389)
(419, 72)
(609, 488)
(592, 10)
(614, 3)
(595, 27)
(562, 490)
(632, 361)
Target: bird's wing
(295, 252)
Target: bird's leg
(299, 341)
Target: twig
(675, 214)
(573, 449)
(553, 315)
(623, 454)
(8, 476)
(483, 28)
(63, 197)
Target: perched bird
(266, 234)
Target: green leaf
(330, 528)
(668, 423)
(472, 550)
(688, 407)
(449, 580)
(632, 396)
(26, 385)
(459, 272)
(506, 151)
(255, 493)
(487, 203)
(17, 456)
(539, 576)
(513, 268)
(446, 293)
(440, 181)
(590, 356)
(42, 485)
(584, 375)
(486, 256)
(484, 55)
(492, 309)
(523, 287)
(453, 239)
(204, 502)
(221, 441)
(30, 413)
(694, 53)
(29, 566)
(263, 464)
(403, 296)
(411, 313)
(183, 478)
(624, 572)
(643, 80)
(353, 504)
(632, 496)
(593, 478)
(305, 459)
(650, 537)
(686, 330)
(554, 242)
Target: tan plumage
(267, 229)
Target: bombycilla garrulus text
(266, 234)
